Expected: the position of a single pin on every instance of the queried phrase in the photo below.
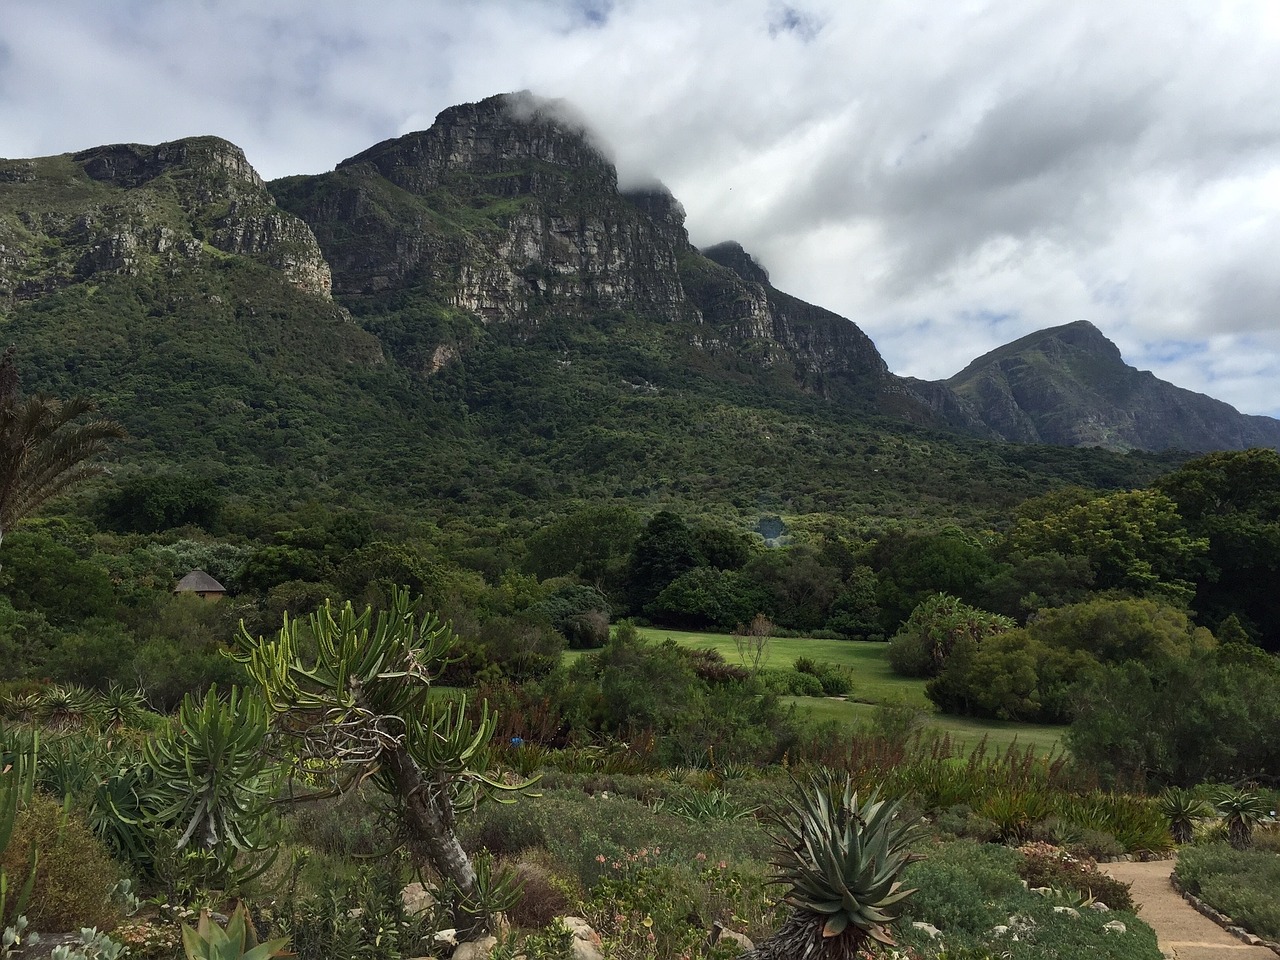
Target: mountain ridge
(1070, 385)
(475, 307)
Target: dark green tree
(1135, 541)
(592, 544)
(664, 550)
(913, 567)
(1232, 499)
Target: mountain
(1068, 385)
(472, 319)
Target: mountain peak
(487, 138)
(731, 254)
(133, 164)
(1069, 385)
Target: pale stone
(475, 949)
(741, 939)
(928, 928)
(1115, 926)
(417, 898)
(1069, 911)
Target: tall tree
(45, 445)
(1232, 498)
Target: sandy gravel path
(1183, 933)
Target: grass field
(873, 683)
(964, 730)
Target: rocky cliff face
(502, 209)
(508, 212)
(129, 209)
(1070, 386)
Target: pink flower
(722, 865)
(701, 857)
(599, 858)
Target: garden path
(1183, 933)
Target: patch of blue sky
(1173, 351)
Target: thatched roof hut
(202, 585)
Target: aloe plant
(841, 859)
(1182, 809)
(362, 708)
(1241, 810)
(239, 941)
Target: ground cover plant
(1239, 883)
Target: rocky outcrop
(1069, 386)
(128, 209)
(507, 211)
(503, 209)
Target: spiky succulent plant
(1183, 808)
(842, 860)
(1241, 811)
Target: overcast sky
(949, 175)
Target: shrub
(792, 683)
(1240, 883)
(75, 871)
(1044, 865)
(544, 892)
(345, 826)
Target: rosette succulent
(842, 859)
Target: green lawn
(966, 730)
(873, 681)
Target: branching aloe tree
(842, 861)
(46, 445)
(361, 710)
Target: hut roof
(197, 581)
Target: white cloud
(975, 170)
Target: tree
(1211, 716)
(913, 567)
(1135, 540)
(1114, 631)
(362, 709)
(1233, 499)
(46, 446)
(664, 550)
(936, 627)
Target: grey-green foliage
(842, 860)
(361, 708)
(936, 628)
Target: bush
(1240, 883)
(75, 870)
(968, 889)
(792, 683)
(1044, 865)
(544, 892)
